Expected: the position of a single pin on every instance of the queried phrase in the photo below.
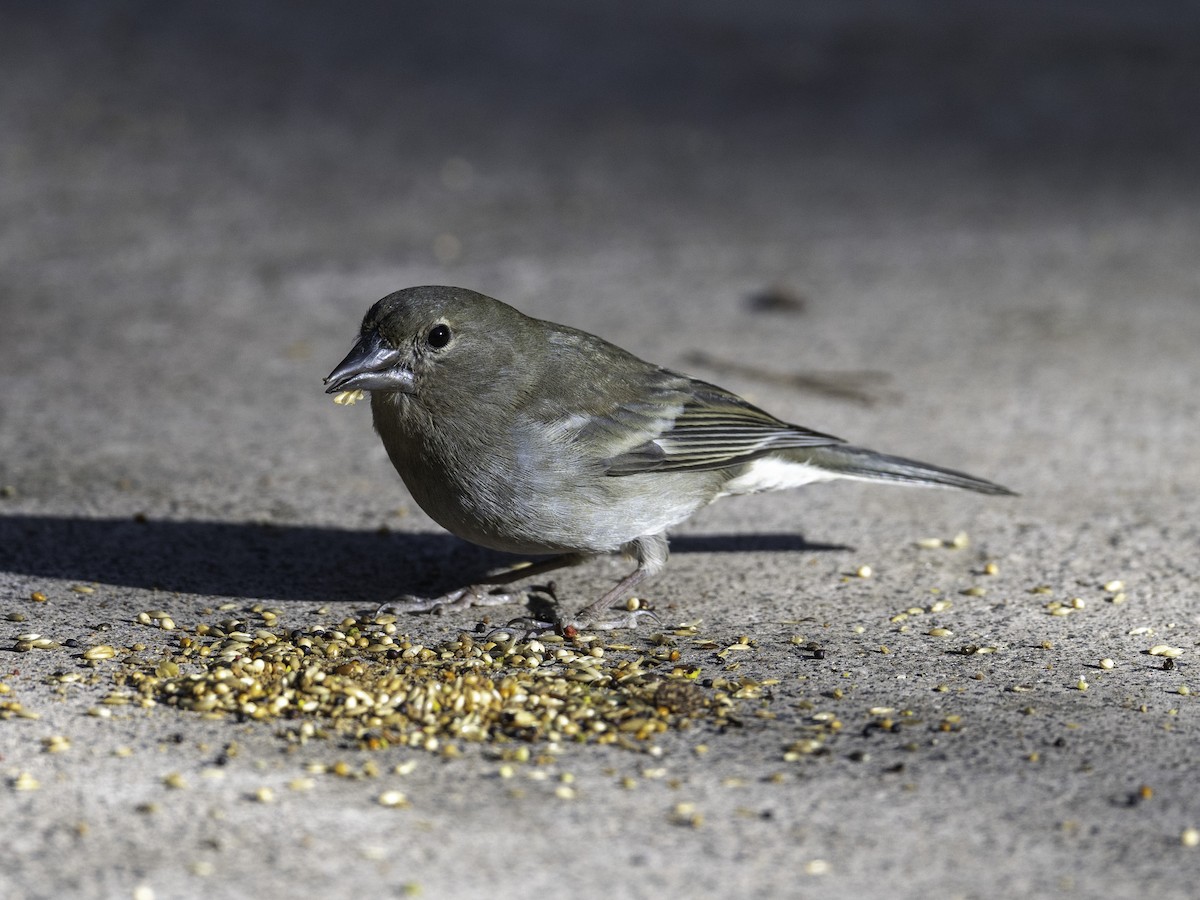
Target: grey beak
(370, 366)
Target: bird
(539, 439)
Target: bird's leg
(651, 553)
(483, 592)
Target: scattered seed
(392, 799)
(685, 814)
(1166, 650)
(56, 743)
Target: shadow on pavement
(280, 562)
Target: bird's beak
(370, 366)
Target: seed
(82, 589)
(37, 597)
(864, 572)
(100, 651)
(56, 743)
(1190, 837)
(1166, 650)
(264, 795)
(817, 867)
(940, 632)
(960, 541)
(1114, 586)
(174, 781)
(1107, 663)
(23, 781)
(392, 798)
(1185, 690)
(686, 814)
(974, 592)
(1081, 685)
(931, 543)
(991, 569)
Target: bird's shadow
(279, 562)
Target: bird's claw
(614, 620)
(528, 625)
(463, 598)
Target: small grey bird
(535, 438)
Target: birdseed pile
(364, 682)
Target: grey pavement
(991, 215)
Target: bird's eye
(439, 336)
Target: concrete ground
(986, 217)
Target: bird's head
(418, 334)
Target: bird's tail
(844, 461)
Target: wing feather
(711, 429)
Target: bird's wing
(691, 425)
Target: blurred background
(201, 198)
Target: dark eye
(439, 336)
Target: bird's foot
(610, 620)
(522, 628)
(463, 598)
(525, 628)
